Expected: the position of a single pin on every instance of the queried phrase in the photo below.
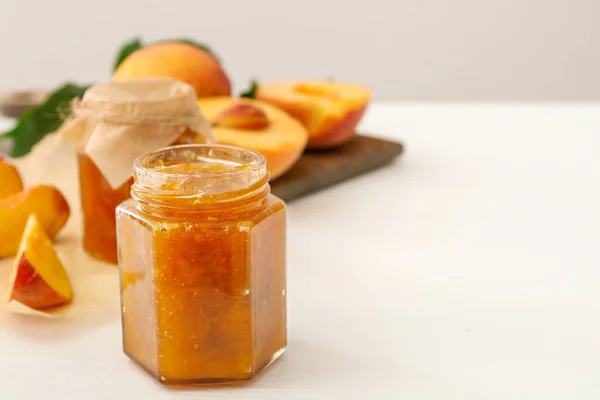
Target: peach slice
(10, 180)
(257, 126)
(46, 202)
(329, 110)
(39, 280)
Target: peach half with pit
(257, 126)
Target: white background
(404, 50)
(468, 270)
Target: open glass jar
(202, 253)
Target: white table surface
(470, 269)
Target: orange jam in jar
(202, 252)
(99, 201)
(98, 204)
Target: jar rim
(259, 161)
(226, 174)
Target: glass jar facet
(202, 258)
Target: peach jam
(99, 201)
(202, 254)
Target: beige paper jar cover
(115, 122)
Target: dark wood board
(318, 170)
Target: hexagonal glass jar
(202, 254)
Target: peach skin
(39, 280)
(10, 180)
(257, 126)
(46, 202)
(329, 110)
(181, 61)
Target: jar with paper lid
(111, 125)
(202, 255)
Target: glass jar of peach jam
(99, 201)
(202, 253)
(112, 124)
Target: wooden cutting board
(318, 170)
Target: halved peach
(39, 280)
(329, 110)
(46, 202)
(10, 180)
(257, 126)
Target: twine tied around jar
(77, 110)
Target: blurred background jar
(113, 124)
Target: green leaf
(251, 92)
(39, 121)
(126, 50)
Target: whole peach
(177, 60)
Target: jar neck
(199, 179)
